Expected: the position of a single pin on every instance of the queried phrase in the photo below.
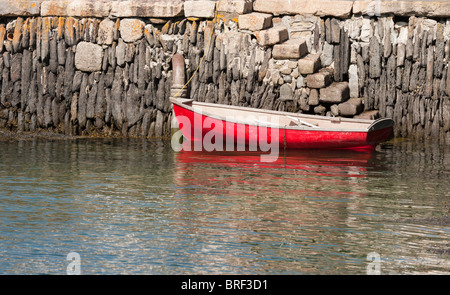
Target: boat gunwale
(372, 125)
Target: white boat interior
(269, 118)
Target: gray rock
(121, 50)
(159, 124)
(313, 99)
(16, 42)
(53, 56)
(100, 102)
(255, 21)
(69, 71)
(116, 99)
(16, 67)
(319, 80)
(366, 30)
(272, 36)
(20, 122)
(320, 110)
(199, 8)
(335, 31)
(430, 72)
(337, 92)
(291, 49)
(375, 58)
(353, 80)
(351, 107)
(440, 52)
(286, 92)
(61, 52)
(69, 31)
(132, 105)
(88, 57)
(45, 30)
(77, 79)
(47, 111)
(25, 76)
(401, 53)
(131, 29)
(334, 110)
(309, 64)
(82, 101)
(55, 112)
(287, 79)
(300, 82)
(106, 32)
(90, 108)
(326, 57)
(369, 115)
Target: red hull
(289, 138)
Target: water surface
(137, 207)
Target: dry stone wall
(105, 67)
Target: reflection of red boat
(292, 159)
(248, 126)
(295, 172)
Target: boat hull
(196, 127)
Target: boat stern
(379, 131)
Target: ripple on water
(136, 207)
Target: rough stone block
(272, 36)
(402, 8)
(82, 8)
(155, 8)
(313, 99)
(320, 110)
(351, 107)
(326, 57)
(255, 21)
(341, 9)
(309, 64)
(19, 7)
(204, 9)
(3, 37)
(286, 92)
(131, 29)
(88, 57)
(335, 31)
(319, 80)
(106, 32)
(337, 92)
(235, 6)
(291, 49)
(353, 80)
(369, 115)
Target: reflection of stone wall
(104, 67)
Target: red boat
(223, 127)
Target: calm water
(137, 207)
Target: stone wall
(105, 67)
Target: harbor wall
(104, 68)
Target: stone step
(353, 106)
(309, 64)
(235, 6)
(337, 92)
(255, 21)
(272, 36)
(321, 79)
(202, 9)
(291, 49)
(369, 115)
